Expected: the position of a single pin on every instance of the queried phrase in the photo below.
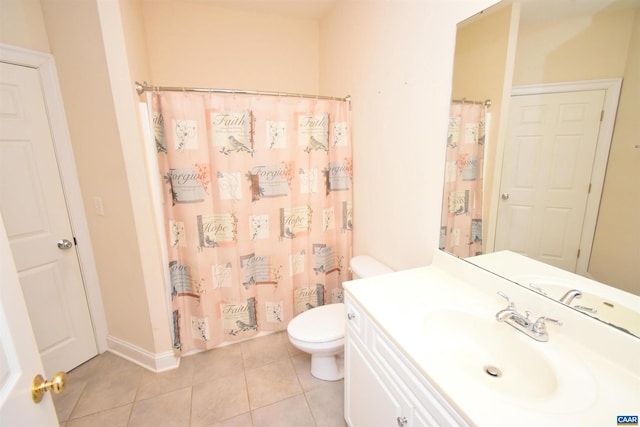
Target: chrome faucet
(568, 297)
(508, 312)
(536, 330)
(572, 294)
(537, 288)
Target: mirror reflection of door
(549, 155)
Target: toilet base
(327, 368)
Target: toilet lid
(321, 324)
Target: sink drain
(493, 371)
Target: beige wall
(395, 59)
(583, 48)
(199, 44)
(483, 68)
(380, 65)
(71, 32)
(22, 25)
(74, 30)
(588, 48)
(616, 253)
(124, 44)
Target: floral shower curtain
(461, 228)
(257, 204)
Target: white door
(19, 360)
(37, 223)
(549, 155)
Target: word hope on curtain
(257, 209)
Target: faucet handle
(511, 304)
(537, 288)
(540, 326)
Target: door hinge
(578, 254)
(589, 189)
(602, 115)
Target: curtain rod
(486, 103)
(145, 87)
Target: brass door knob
(40, 386)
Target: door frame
(45, 65)
(610, 107)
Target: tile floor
(264, 382)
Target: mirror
(519, 51)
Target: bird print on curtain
(257, 209)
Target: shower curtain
(461, 227)
(257, 208)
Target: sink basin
(472, 346)
(487, 356)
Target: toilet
(320, 331)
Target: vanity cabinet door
(381, 386)
(369, 401)
(372, 396)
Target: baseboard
(159, 362)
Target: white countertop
(613, 305)
(607, 361)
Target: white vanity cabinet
(418, 343)
(382, 388)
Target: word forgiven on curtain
(258, 209)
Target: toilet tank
(363, 266)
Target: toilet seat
(320, 324)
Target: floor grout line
(93, 373)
